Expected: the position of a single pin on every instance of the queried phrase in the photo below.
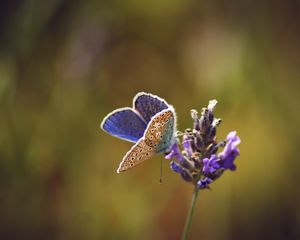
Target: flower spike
(196, 158)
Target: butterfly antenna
(161, 171)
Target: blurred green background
(65, 64)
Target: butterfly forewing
(136, 155)
(124, 123)
(148, 105)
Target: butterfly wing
(158, 137)
(124, 123)
(147, 105)
(160, 133)
(136, 155)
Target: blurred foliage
(65, 64)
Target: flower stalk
(188, 221)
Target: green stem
(189, 218)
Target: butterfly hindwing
(124, 123)
(136, 155)
(147, 105)
(160, 133)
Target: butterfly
(150, 124)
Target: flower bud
(212, 105)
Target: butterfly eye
(132, 158)
(141, 150)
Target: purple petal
(176, 167)
(175, 153)
(181, 170)
(227, 161)
(230, 151)
(186, 176)
(210, 165)
(203, 183)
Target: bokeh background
(65, 64)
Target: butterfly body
(151, 124)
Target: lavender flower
(181, 170)
(204, 183)
(196, 158)
(230, 151)
(175, 153)
(210, 164)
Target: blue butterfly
(150, 124)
